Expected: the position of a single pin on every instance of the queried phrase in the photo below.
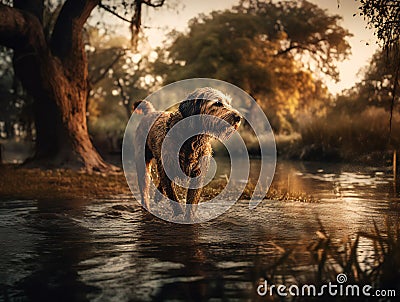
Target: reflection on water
(99, 250)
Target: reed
(378, 267)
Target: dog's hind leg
(143, 173)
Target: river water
(110, 250)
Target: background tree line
(279, 52)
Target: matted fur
(195, 152)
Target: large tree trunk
(60, 113)
(55, 74)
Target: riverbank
(18, 182)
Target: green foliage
(272, 50)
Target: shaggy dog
(194, 155)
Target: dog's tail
(145, 107)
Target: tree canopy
(375, 89)
(384, 17)
(277, 52)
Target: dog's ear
(135, 105)
(190, 107)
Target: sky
(363, 43)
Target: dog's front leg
(165, 186)
(192, 199)
(194, 192)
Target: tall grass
(340, 134)
(349, 136)
(378, 267)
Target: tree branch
(286, 50)
(294, 46)
(66, 40)
(94, 81)
(20, 30)
(107, 9)
(135, 23)
(35, 7)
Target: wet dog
(194, 154)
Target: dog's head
(212, 102)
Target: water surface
(110, 250)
